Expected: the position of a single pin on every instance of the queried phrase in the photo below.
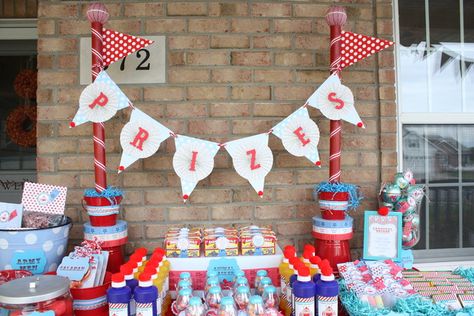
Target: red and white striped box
(197, 267)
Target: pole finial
(97, 12)
(336, 16)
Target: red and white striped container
(333, 205)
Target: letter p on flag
(101, 100)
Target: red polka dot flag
(355, 47)
(119, 45)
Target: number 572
(141, 66)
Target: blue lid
(213, 281)
(195, 301)
(184, 283)
(256, 299)
(239, 273)
(212, 273)
(185, 292)
(242, 280)
(262, 273)
(227, 300)
(185, 275)
(215, 290)
(266, 281)
(270, 289)
(243, 289)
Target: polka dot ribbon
(355, 47)
(119, 45)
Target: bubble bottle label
(304, 306)
(118, 309)
(327, 306)
(144, 309)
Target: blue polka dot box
(37, 250)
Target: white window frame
(429, 255)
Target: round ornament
(416, 192)
(401, 181)
(391, 193)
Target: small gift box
(183, 243)
(256, 240)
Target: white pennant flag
(335, 101)
(299, 135)
(99, 101)
(193, 161)
(252, 159)
(140, 138)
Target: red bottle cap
(309, 248)
(289, 253)
(149, 270)
(152, 263)
(118, 277)
(307, 254)
(298, 264)
(126, 269)
(160, 251)
(136, 257)
(326, 270)
(157, 257)
(303, 271)
(141, 251)
(132, 263)
(315, 260)
(293, 261)
(144, 277)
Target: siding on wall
(235, 68)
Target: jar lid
(33, 289)
(256, 299)
(262, 273)
(227, 300)
(270, 289)
(185, 292)
(195, 301)
(213, 281)
(185, 275)
(212, 273)
(242, 280)
(266, 281)
(215, 290)
(239, 273)
(243, 289)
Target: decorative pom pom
(185, 197)
(97, 12)
(383, 211)
(72, 124)
(360, 124)
(260, 193)
(121, 168)
(318, 163)
(336, 16)
(109, 192)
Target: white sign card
(148, 65)
(382, 236)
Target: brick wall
(235, 68)
(18, 8)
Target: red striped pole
(98, 15)
(336, 18)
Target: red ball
(260, 193)
(72, 124)
(318, 163)
(360, 124)
(185, 196)
(121, 168)
(383, 211)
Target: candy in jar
(255, 307)
(213, 298)
(182, 300)
(266, 281)
(211, 281)
(43, 293)
(227, 307)
(186, 276)
(260, 275)
(270, 297)
(242, 281)
(183, 284)
(195, 307)
(242, 297)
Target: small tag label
(73, 268)
(224, 267)
(31, 260)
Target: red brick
(192, 213)
(156, 231)
(185, 75)
(48, 113)
(271, 9)
(231, 212)
(175, 58)
(186, 8)
(229, 109)
(141, 179)
(311, 76)
(208, 58)
(165, 26)
(294, 228)
(274, 211)
(208, 26)
(144, 214)
(250, 58)
(231, 75)
(292, 26)
(57, 44)
(55, 145)
(64, 179)
(45, 61)
(49, 10)
(250, 25)
(230, 41)
(272, 41)
(183, 110)
(162, 196)
(277, 177)
(46, 27)
(207, 93)
(143, 9)
(273, 109)
(310, 10)
(211, 196)
(226, 177)
(228, 9)
(209, 127)
(292, 92)
(127, 26)
(251, 92)
(163, 94)
(248, 194)
(313, 42)
(182, 42)
(294, 59)
(251, 126)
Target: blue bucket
(37, 250)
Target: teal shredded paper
(415, 305)
(354, 195)
(110, 192)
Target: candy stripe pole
(98, 15)
(336, 18)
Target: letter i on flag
(252, 159)
(140, 138)
(99, 101)
(193, 161)
(299, 135)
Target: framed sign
(382, 236)
(148, 65)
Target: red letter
(140, 138)
(101, 100)
(300, 135)
(193, 161)
(332, 98)
(253, 166)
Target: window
(17, 153)
(435, 69)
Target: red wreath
(21, 126)
(25, 84)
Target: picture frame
(382, 236)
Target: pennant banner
(299, 135)
(193, 161)
(252, 159)
(140, 138)
(355, 47)
(335, 101)
(99, 101)
(119, 45)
